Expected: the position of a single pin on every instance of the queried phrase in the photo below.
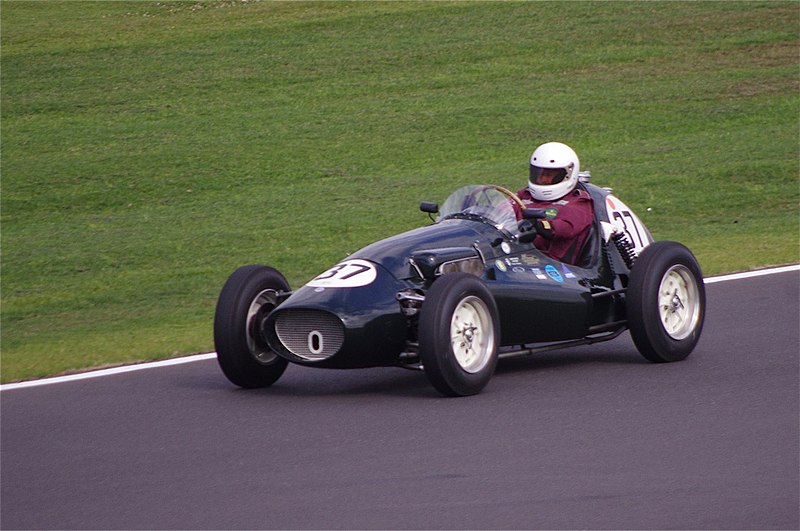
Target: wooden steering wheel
(511, 195)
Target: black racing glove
(526, 226)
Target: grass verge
(149, 149)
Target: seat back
(590, 250)
(591, 247)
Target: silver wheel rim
(679, 302)
(472, 334)
(259, 351)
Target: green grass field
(149, 149)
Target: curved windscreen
(484, 203)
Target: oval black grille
(312, 335)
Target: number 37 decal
(622, 218)
(348, 274)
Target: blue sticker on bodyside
(553, 273)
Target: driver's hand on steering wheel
(541, 226)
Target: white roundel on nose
(347, 274)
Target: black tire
(666, 302)
(247, 297)
(461, 302)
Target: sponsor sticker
(567, 272)
(551, 212)
(501, 265)
(530, 259)
(553, 273)
(538, 272)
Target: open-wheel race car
(452, 297)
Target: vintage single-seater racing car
(453, 297)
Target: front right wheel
(666, 302)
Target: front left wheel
(459, 333)
(248, 296)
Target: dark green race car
(452, 297)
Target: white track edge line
(108, 372)
(200, 357)
(751, 274)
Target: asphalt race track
(593, 437)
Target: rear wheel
(459, 334)
(666, 302)
(248, 296)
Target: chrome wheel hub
(472, 334)
(263, 303)
(679, 302)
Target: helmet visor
(546, 176)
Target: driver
(569, 212)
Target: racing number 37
(347, 274)
(342, 271)
(621, 215)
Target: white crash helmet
(553, 156)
